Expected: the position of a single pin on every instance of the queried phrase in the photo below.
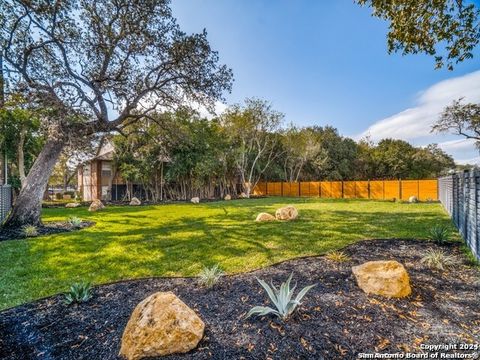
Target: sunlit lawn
(180, 239)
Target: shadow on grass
(180, 239)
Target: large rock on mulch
(286, 213)
(72, 205)
(386, 278)
(243, 195)
(195, 200)
(265, 217)
(412, 199)
(96, 205)
(135, 202)
(227, 197)
(160, 325)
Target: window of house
(106, 170)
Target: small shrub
(210, 276)
(437, 259)
(338, 256)
(30, 231)
(281, 298)
(78, 293)
(439, 234)
(75, 222)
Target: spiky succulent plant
(282, 298)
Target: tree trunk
(21, 157)
(27, 208)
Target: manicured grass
(180, 239)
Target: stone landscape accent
(96, 205)
(72, 205)
(135, 202)
(160, 325)
(385, 278)
(265, 217)
(195, 200)
(412, 199)
(286, 213)
(227, 197)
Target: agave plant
(78, 293)
(281, 298)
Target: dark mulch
(45, 229)
(336, 321)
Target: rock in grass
(72, 205)
(96, 205)
(286, 213)
(412, 199)
(135, 202)
(265, 217)
(161, 325)
(195, 200)
(386, 278)
(227, 197)
(242, 195)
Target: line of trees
(178, 155)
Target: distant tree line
(178, 155)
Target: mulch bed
(48, 228)
(336, 320)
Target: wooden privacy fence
(372, 189)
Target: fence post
(299, 188)
(320, 189)
(343, 193)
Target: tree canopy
(98, 66)
(449, 30)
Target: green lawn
(180, 239)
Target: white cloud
(416, 122)
(474, 161)
(457, 145)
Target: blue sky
(325, 62)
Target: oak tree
(96, 67)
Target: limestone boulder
(412, 199)
(160, 325)
(195, 200)
(265, 217)
(386, 278)
(96, 205)
(227, 197)
(242, 195)
(135, 202)
(286, 213)
(72, 205)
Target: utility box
(5, 201)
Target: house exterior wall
(97, 179)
